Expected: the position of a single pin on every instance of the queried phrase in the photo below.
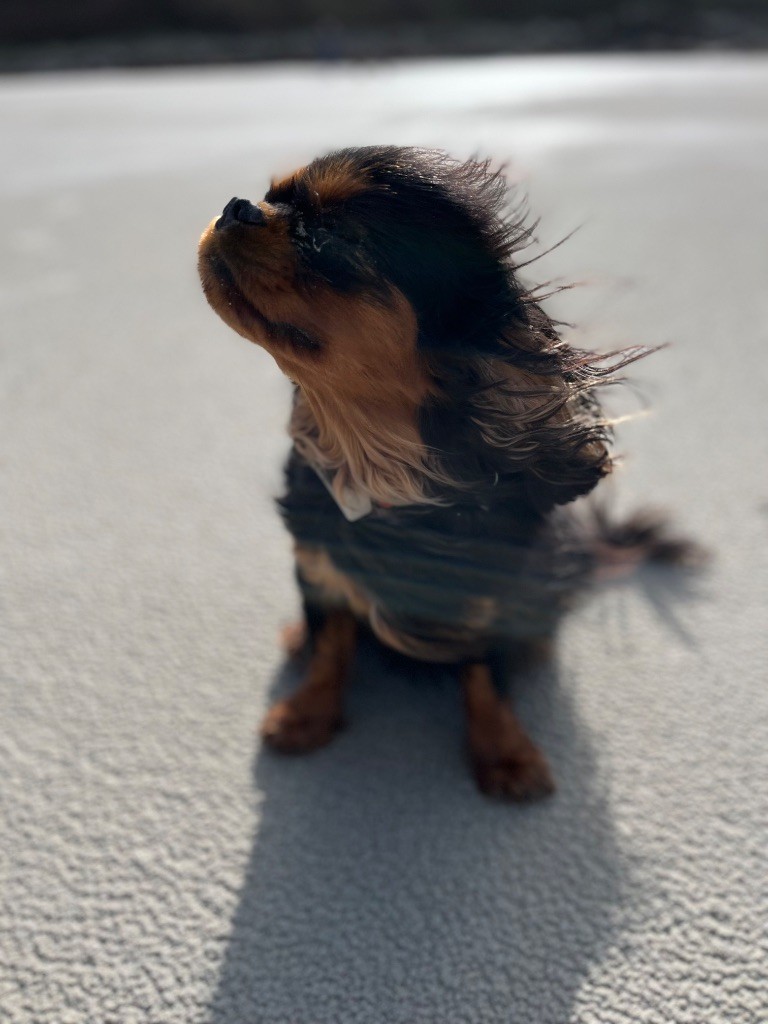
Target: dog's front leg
(505, 761)
(309, 718)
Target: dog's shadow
(382, 887)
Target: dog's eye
(295, 336)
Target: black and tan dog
(439, 425)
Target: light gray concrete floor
(156, 865)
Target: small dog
(439, 426)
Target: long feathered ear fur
(535, 420)
(514, 399)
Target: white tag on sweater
(352, 505)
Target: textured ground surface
(156, 866)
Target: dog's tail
(622, 546)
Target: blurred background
(100, 33)
(156, 867)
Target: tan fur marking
(338, 589)
(328, 184)
(336, 183)
(261, 261)
(506, 762)
(357, 414)
(310, 717)
(444, 644)
(446, 649)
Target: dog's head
(382, 281)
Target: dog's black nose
(240, 210)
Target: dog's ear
(569, 472)
(545, 427)
(530, 414)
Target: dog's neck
(366, 457)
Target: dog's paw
(292, 729)
(522, 778)
(294, 640)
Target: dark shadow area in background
(49, 35)
(667, 589)
(383, 887)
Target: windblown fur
(489, 422)
(435, 393)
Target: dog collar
(352, 504)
